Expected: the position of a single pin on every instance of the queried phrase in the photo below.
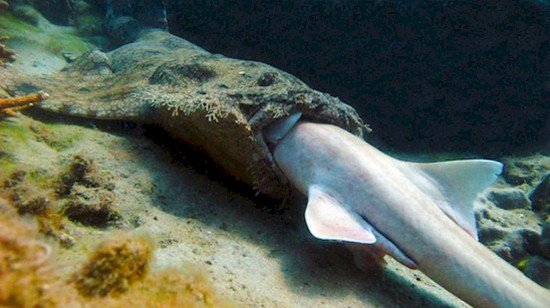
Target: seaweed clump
(114, 266)
(118, 274)
(28, 192)
(169, 288)
(88, 192)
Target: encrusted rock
(525, 171)
(6, 54)
(509, 198)
(82, 170)
(91, 206)
(38, 205)
(114, 266)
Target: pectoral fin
(327, 219)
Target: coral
(6, 54)
(6, 104)
(116, 265)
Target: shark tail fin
(455, 185)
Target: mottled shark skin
(216, 104)
(421, 214)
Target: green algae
(11, 135)
(62, 136)
(50, 38)
(14, 132)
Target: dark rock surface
(545, 241)
(509, 198)
(525, 171)
(518, 246)
(538, 269)
(540, 196)
(56, 11)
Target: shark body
(421, 214)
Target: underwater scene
(292, 153)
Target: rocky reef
(513, 219)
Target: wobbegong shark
(419, 213)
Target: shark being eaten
(419, 213)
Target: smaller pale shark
(420, 214)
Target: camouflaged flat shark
(213, 102)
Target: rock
(6, 54)
(538, 269)
(522, 244)
(38, 205)
(544, 245)
(57, 11)
(115, 265)
(540, 196)
(525, 171)
(489, 234)
(509, 198)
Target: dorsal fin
(327, 219)
(454, 185)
